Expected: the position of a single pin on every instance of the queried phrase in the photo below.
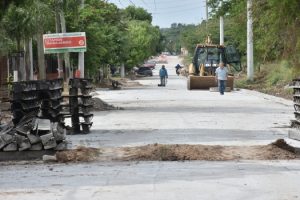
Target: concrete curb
(24, 155)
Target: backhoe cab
(205, 62)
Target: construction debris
(37, 123)
(100, 105)
(80, 106)
(81, 154)
(278, 150)
(294, 133)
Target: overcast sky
(166, 12)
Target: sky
(166, 12)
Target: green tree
(143, 39)
(135, 13)
(101, 22)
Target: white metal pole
(81, 64)
(250, 70)
(221, 30)
(81, 54)
(206, 17)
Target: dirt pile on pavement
(209, 152)
(279, 150)
(283, 145)
(100, 105)
(123, 82)
(128, 83)
(81, 154)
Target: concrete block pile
(80, 105)
(37, 123)
(294, 133)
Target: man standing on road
(221, 77)
(163, 75)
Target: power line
(174, 2)
(177, 11)
(144, 2)
(131, 2)
(121, 3)
(177, 6)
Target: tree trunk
(28, 60)
(59, 56)
(122, 71)
(41, 58)
(66, 55)
(20, 62)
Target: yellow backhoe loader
(206, 60)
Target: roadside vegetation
(126, 36)
(276, 39)
(114, 36)
(270, 78)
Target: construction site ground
(170, 143)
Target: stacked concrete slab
(294, 133)
(37, 123)
(80, 105)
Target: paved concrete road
(173, 114)
(169, 114)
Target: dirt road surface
(168, 115)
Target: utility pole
(221, 28)
(206, 6)
(58, 30)
(81, 54)
(66, 55)
(250, 69)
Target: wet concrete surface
(170, 115)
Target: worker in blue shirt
(163, 74)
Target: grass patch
(271, 79)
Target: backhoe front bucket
(206, 82)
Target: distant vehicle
(150, 64)
(162, 59)
(202, 70)
(144, 71)
(166, 53)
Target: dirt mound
(208, 152)
(278, 150)
(122, 82)
(100, 105)
(81, 154)
(128, 83)
(283, 145)
(175, 152)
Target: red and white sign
(64, 42)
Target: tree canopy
(114, 36)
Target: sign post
(67, 42)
